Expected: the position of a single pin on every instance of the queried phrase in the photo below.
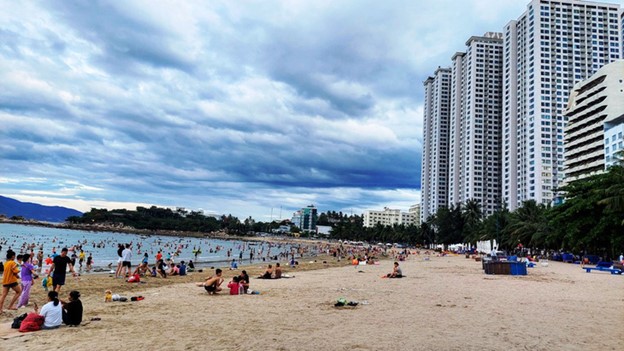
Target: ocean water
(103, 245)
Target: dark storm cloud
(228, 106)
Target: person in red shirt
(234, 285)
(158, 256)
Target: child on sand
(234, 285)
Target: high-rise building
(475, 123)
(434, 171)
(305, 218)
(595, 128)
(551, 47)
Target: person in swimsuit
(267, 274)
(213, 284)
(278, 271)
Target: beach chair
(603, 269)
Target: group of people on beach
(163, 267)
(239, 284)
(19, 275)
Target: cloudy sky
(226, 106)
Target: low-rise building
(387, 216)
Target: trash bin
(503, 268)
(487, 267)
(518, 268)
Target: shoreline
(169, 233)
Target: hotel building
(387, 217)
(551, 47)
(595, 128)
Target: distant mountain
(11, 207)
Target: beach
(444, 303)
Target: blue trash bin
(518, 268)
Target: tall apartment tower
(547, 50)
(434, 171)
(475, 123)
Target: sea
(103, 245)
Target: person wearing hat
(72, 309)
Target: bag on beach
(32, 322)
(17, 321)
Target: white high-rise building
(551, 47)
(475, 123)
(434, 171)
(595, 129)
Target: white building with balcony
(595, 128)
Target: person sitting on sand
(396, 272)
(142, 270)
(160, 268)
(234, 285)
(268, 274)
(278, 271)
(174, 270)
(213, 284)
(182, 268)
(244, 280)
(72, 309)
(52, 311)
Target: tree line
(590, 220)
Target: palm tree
(472, 215)
(613, 196)
(529, 225)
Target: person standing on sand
(89, 262)
(81, 258)
(59, 268)
(28, 273)
(9, 281)
(40, 260)
(126, 266)
(120, 249)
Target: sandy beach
(445, 303)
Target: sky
(250, 108)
